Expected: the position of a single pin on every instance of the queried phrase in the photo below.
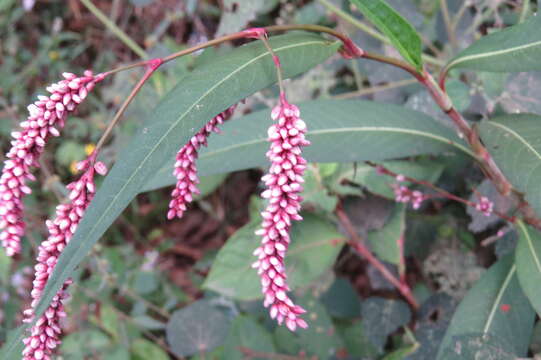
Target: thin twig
(148, 73)
(525, 11)
(115, 29)
(358, 244)
(383, 170)
(52, 181)
(448, 24)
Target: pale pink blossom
(185, 168)
(46, 118)
(283, 184)
(405, 195)
(45, 334)
(485, 206)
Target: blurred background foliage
(165, 290)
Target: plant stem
(348, 45)
(437, 189)
(358, 244)
(525, 10)
(115, 29)
(448, 23)
(277, 64)
(151, 67)
(458, 15)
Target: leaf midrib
(530, 246)
(498, 299)
(73, 261)
(516, 135)
(348, 130)
(491, 53)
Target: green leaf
(528, 262)
(199, 327)
(314, 191)
(516, 48)
(513, 141)
(401, 353)
(401, 33)
(356, 340)
(320, 338)
(381, 317)
(341, 300)
(479, 346)
(247, 333)
(143, 349)
(337, 134)
(198, 97)
(83, 343)
(495, 307)
(315, 244)
(384, 242)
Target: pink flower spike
(185, 168)
(46, 116)
(44, 336)
(283, 182)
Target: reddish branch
(383, 170)
(358, 244)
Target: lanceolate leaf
(401, 33)
(340, 131)
(495, 307)
(513, 141)
(198, 97)
(528, 262)
(516, 48)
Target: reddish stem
(402, 260)
(358, 244)
(383, 170)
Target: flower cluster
(284, 183)
(485, 206)
(45, 334)
(185, 168)
(404, 194)
(46, 116)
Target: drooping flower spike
(283, 185)
(46, 117)
(185, 168)
(45, 334)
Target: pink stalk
(185, 168)
(45, 334)
(46, 117)
(284, 183)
